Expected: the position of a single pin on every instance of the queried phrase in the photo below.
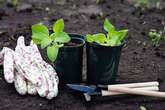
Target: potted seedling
(103, 54)
(65, 50)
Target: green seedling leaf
(40, 35)
(58, 26)
(61, 37)
(111, 33)
(156, 37)
(122, 34)
(113, 38)
(36, 41)
(39, 32)
(142, 108)
(13, 2)
(116, 37)
(90, 38)
(97, 1)
(100, 38)
(142, 4)
(108, 26)
(114, 41)
(52, 52)
(45, 42)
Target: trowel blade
(82, 88)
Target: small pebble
(24, 7)
(40, 104)
(47, 9)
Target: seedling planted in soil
(111, 38)
(156, 37)
(13, 2)
(10, 2)
(144, 4)
(142, 108)
(51, 41)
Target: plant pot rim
(98, 45)
(77, 38)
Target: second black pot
(102, 63)
(68, 64)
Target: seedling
(142, 108)
(111, 38)
(51, 41)
(156, 37)
(144, 4)
(12, 2)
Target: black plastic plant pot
(69, 61)
(102, 63)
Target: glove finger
(51, 92)
(20, 84)
(43, 89)
(8, 65)
(55, 85)
(51, 70)
(53, 80)
(31, 88)
(54, 92)
(30, 72)
(1, 57)
(36, 56)
(21, 42)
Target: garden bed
(140, 61)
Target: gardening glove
(49, 86)
(28, 71)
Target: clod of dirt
(2, 13)
(3, 29)
(160, 52)
(2, 32)
(68, 12)
(131, 2)
(24, 7)
(91, 9)
(60, 2)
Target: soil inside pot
(71, 44)
(74, 42)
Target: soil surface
(140, 61)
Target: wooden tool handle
(133, 85)
(109, 93)
(138, 92)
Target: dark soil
(140, 61)
(71, 44)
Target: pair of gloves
(28, 71)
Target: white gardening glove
(8, 64)
(32, 73)
(49, 86)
